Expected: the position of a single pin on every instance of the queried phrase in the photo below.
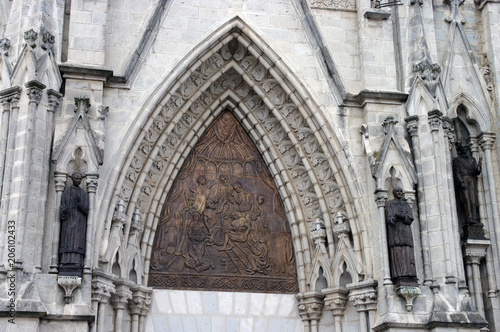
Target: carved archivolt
(277, 119)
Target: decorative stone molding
(364, 295)
(69, 284)
(4, 47)
(30, 37)
(54, 98)
(336, 300)
(449, 131)
(434, 118)
(349, 5)
(310, 305)
(409, 293)
(91, 182)
(454, 11)
(486, 140)
(82, 104)
(102, 291)
(486, 71)
(48, 40)
(103, 112)
(475, 250)
(34, 90)
(381, 198)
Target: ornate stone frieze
(334, 4)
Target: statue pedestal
(69, 284)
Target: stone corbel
(69, 284)
(409, 293)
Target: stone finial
(103, 112)
(48, 40)
(136, 225)
(318, 232)
(30, 36)
(454, 12)
(82, 104)
(119, 216)
(4, 46)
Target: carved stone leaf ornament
(226, 227)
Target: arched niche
(307, 161)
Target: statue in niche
(466, 171)
(399, 218)
(223, 225)
(73, 213)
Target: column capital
(10, 96)
(412, 125)
(336, 300)
(310, 305)
(54, 99)
(140, 302)
(381, 197)
(101, 291)
(34, 90)
(91, 182)
(364, 295)
(60, 181)
(435, 119)
(449, 131)
(486, 140)
(120, 298)
(475, 250)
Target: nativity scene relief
(223, 225)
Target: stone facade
(344, 100)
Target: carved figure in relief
(241, 200)
(73, 213)
(198, 257)
(399, 218)
(183, 218)
(466, 170)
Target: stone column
(412, 128)
(474, 251)
(120, 300)
(310, 309)
(34, 90)
(364, 297)
(12, 95)
(139, 306)
(101, 293)
(381, 198)
(91, 184)
(443, 216)
(486, 141)
(335, 301)
(60, 184)
(449, 140)
(4, 133)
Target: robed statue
(466, 170)
(399, 218)
(73, 213)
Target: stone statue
(399, 217)
(73, 212)
(466, 170)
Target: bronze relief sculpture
(223, 224)
(399, 218)
(73, 213)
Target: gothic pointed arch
(302, 151)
